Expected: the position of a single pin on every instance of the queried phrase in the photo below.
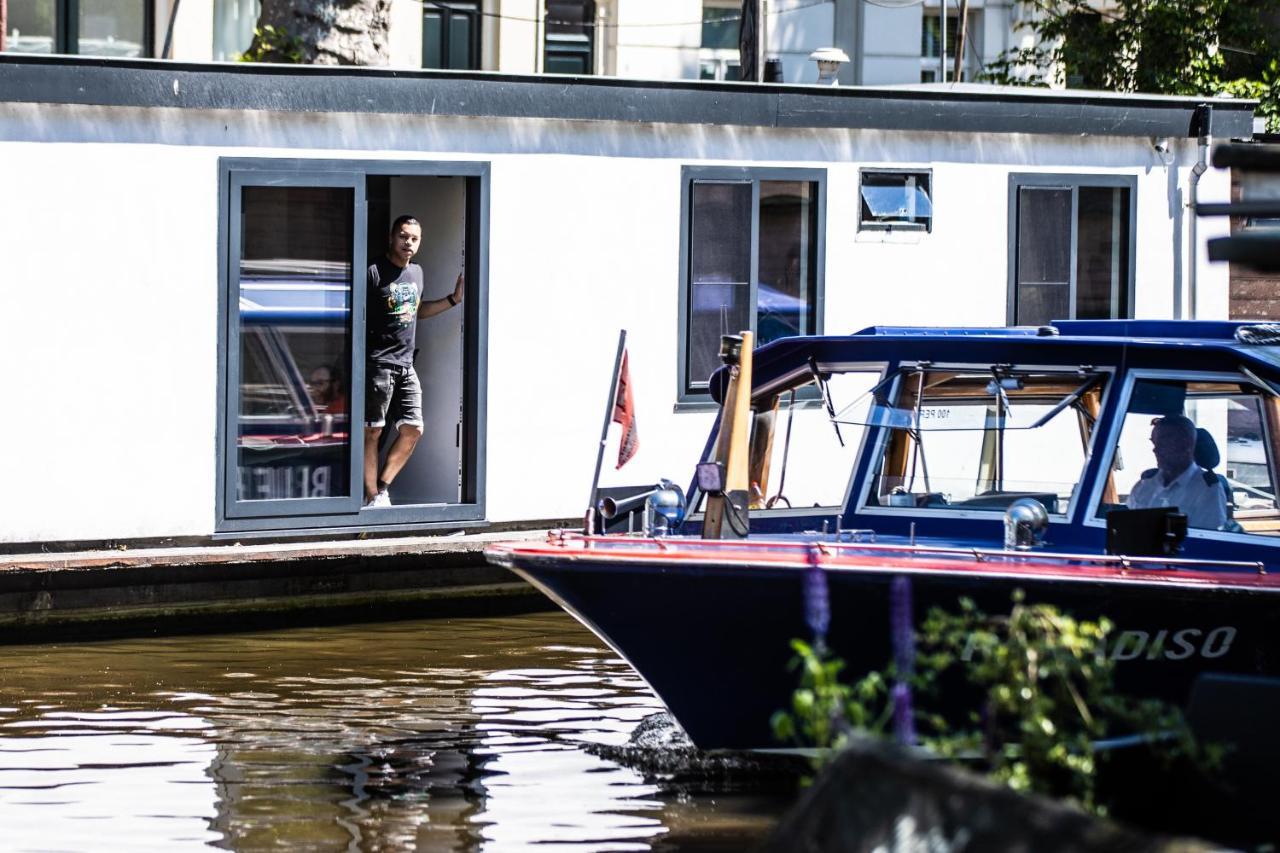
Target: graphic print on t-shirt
(402, 302)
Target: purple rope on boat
(904, 655)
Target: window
(931, 46)
(1071, 248)
(931, 35)
(569, 47)
(233, 24)
(1217, 435)
(895, 200)
(451, 35)
(977, 438)
(89, 27)
(718, 56)
(295, 273)
(799, 458)
(752, 261)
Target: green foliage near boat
(271, 44)
(1042, 691)
(1169, 47)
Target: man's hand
(432, 307)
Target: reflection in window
(89, 27)
(980, 439)
(720, 22)
(1072, 254)
(569, 47)
(718, 56)
(295, 343)
(233, 25)
(732, 224)
(896, 200)
(1228, 455)
(32, 26)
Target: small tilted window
(896, 200)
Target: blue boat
(1125, 469)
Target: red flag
(624, 412)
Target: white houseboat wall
(185, 244)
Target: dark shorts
(386, 383)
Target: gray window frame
(688, 398)
(864, 225)
(289, 516)
(1073, 182)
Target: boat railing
(816, 550)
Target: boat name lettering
(1164, 643)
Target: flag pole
(604, 430)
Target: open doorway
(437, 473)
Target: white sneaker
(380, 499)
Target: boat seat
(1207, 456)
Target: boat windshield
(978, 438)
(967, 399)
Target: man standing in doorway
(394, 306)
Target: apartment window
(931, 35)
(233, 24)
(931, 46)
(1071, 247)
(89, 27)
(569, 46)
(894, 200)
(752, 260)
(718, 56)
(451, 35)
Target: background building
(888, 41)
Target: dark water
(446, 734)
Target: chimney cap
(829, 54)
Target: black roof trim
(156, 83)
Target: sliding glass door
(295, 271)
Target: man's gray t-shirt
(392, 310)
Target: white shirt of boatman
(1202, 502)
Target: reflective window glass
(720, 259)
(1072, 253)
(31, 26)
(787, 260)
(1205, 448)
(295, 272)
(732, 223)
(896, 200)
(112, 28)
(978, 440)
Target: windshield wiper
(821, 382)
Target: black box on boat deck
(1156, 532)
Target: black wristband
(452, 301)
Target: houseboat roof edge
(90, 81)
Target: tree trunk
(323, 32)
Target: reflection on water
(438, 734)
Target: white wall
(108, 299)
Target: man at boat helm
(1177, 481)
